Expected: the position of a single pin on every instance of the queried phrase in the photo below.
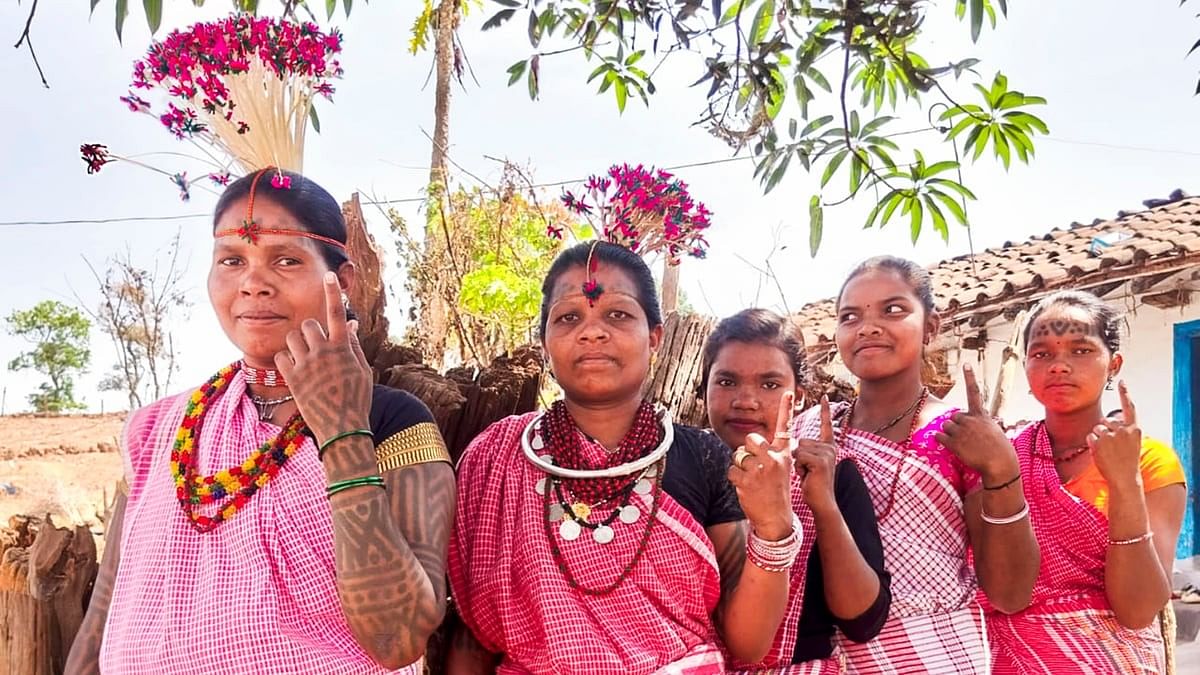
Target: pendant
(630, 514)
(642, 487)
(546, 458)
(540, 486)
(603, 534)
(581, 510)
(537, 443)
(555, 513)
(569, 530)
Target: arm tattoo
(730, 546)
(84, 657)
(390, 549)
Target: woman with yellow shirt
(1105, 504)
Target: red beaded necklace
(562, 444)
(267, 377)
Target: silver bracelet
(1128, 542)
(1007, 520)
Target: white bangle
(775, 556)
(1007, 520)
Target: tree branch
(25, 38)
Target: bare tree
(136, 309)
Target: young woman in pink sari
(943, 482)
(752, 361)
(599, 538)
(1106, 507)
(287, 516)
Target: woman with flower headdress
(599, 537)
(286, 516)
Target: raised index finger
(1128, 411)
(335, 312)
(974, 397)
(783, 421)
(826, 421)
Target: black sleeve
(393, 411)
(697, 477)
(854, 502)
(725, 507)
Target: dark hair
(917, 277)
(612, 254)
(310, 204)
(1104, 317)
(757, 326)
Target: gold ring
(740, 456)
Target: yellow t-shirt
(1159, 464)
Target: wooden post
(670, 287)
(1008, 366)
(46, 575)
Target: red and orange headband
(251, 230)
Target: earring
(1108, 384)
(653, 359)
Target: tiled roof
(1165, 236)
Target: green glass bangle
(334, 488)
(337, 437)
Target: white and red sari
(935, 624)
(510, 592)
(1069, 626)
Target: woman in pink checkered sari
(599, 538)
(1107, 545)
(924, 464)
(839, 582)
(286, 517)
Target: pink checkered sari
(258, 594)
(935, 624)
(1069, 626)
(511, 594)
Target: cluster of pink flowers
(192, 63)
(643, 209)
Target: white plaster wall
(1147, 343)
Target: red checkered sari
(935, 624)
(1069, 626)
(511, 594)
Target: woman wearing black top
(752, 361)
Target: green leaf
(976, 24)
(312, 117)
(346, 5)
(949, 184)
(816, 124)
(1002, 149)
(515, 71)
(763, 19)
(857, 168)
(816, 224)
(635, 57)
(153, 14)
(818, 77)
(833, 166)
(96, 2)
(498, 18)
(777, 174)
(622, 92)
(918, 214)
(330, 8)
(122, 12)
(955, 208)
(939, 167)
(897, 200)
(939, 220)
(792, 125)
(733, 11)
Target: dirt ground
(63, 465)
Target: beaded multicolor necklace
(230, 488)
